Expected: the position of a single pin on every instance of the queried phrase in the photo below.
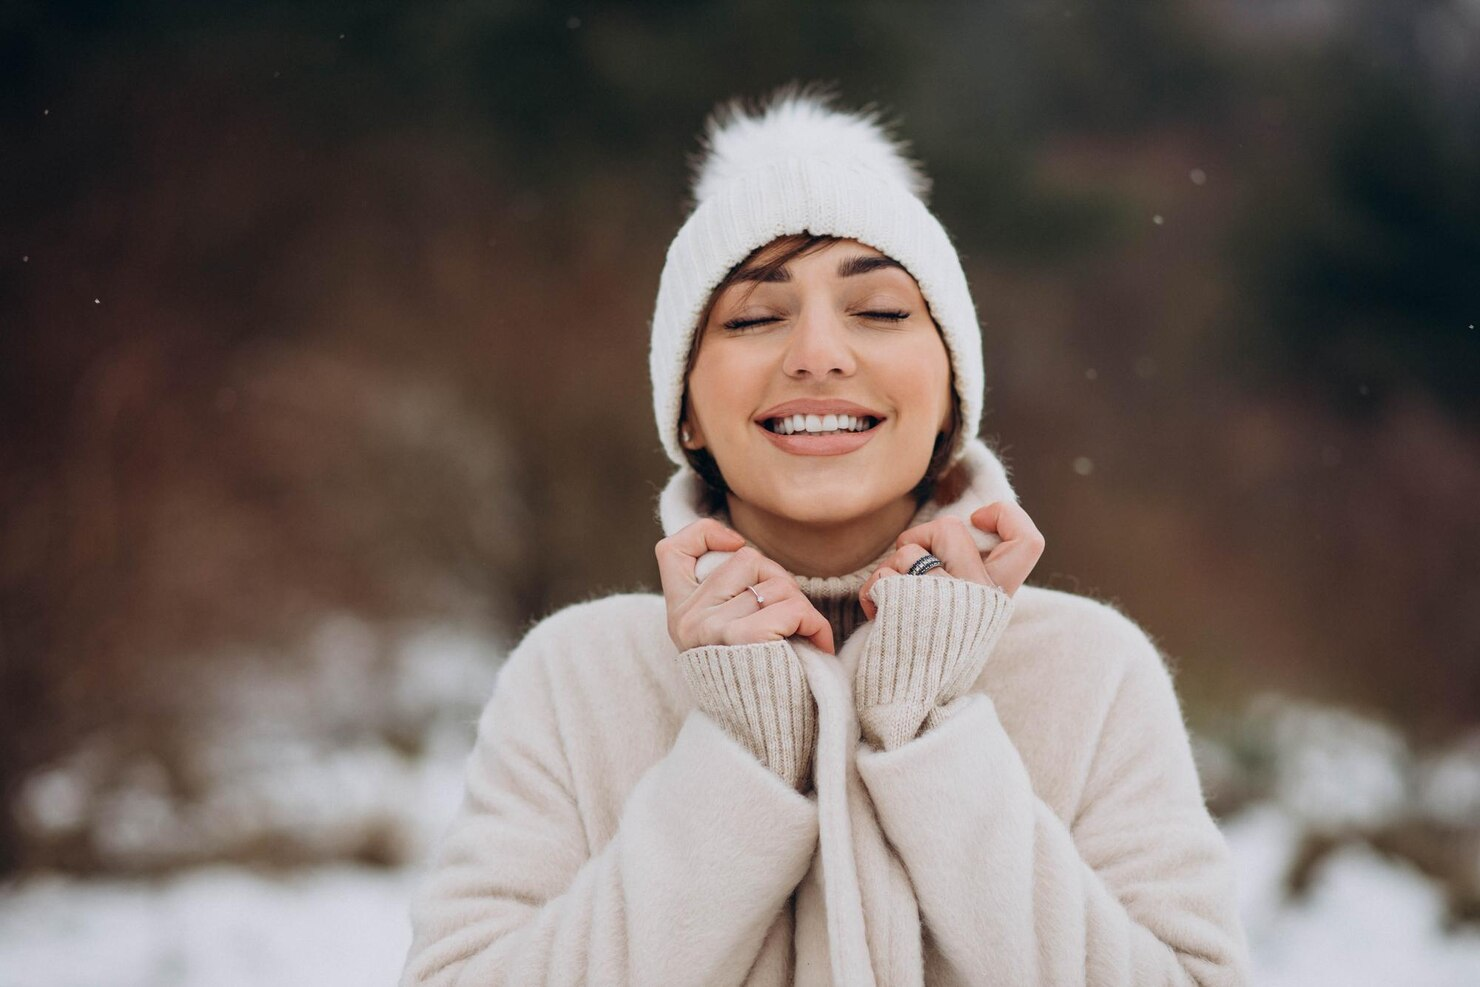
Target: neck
(831, 563)
(818, 548)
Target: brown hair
(935, 481)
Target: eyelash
(740, 325)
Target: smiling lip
(817, 406)
(819, 444)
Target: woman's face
(845, 331)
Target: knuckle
(694, 531)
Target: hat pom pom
(799, 121)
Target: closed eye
(746, 323)
(742, 324)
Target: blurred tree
(1361, 255)
(372, 286)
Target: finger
(813, 626)
(794, 616)
(743, 604)
(678, 553)
(746, 567)
(870, 609)
(1022, 543)
(1007, 519)
(948, 539)
(903, 559)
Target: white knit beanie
(799, 164)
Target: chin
(826, 504)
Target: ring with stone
(758, 598)
(924, 564)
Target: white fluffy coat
(1051, 830)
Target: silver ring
(758, 598)
(924, 564)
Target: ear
(695, 435)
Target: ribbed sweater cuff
(758, 693)
(932, 638)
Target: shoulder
(1053, 613)
(617, 622)
(1081, 636)
(620, 615)
(1069, 672)
(611, 639)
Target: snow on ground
(213, 927)
(1367, 922)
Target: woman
(847, 744)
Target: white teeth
(820, 424)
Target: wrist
(758, 693)
(931, 639)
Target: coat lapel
(679, 503)
(869, 912)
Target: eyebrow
(849, 267)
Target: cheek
(920, 378)
(721, 387)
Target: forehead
(840, 259)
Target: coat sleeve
(709, 846)
(758, 694)
(931, 637)
(1138, 891)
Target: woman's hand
(721, 610)
(948, 539)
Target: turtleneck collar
(836, 597)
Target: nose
(819, 345)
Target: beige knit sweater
(978, 789)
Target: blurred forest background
(323, 336)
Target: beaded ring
(924, 564)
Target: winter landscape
(324, 354)
(1312, 796)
